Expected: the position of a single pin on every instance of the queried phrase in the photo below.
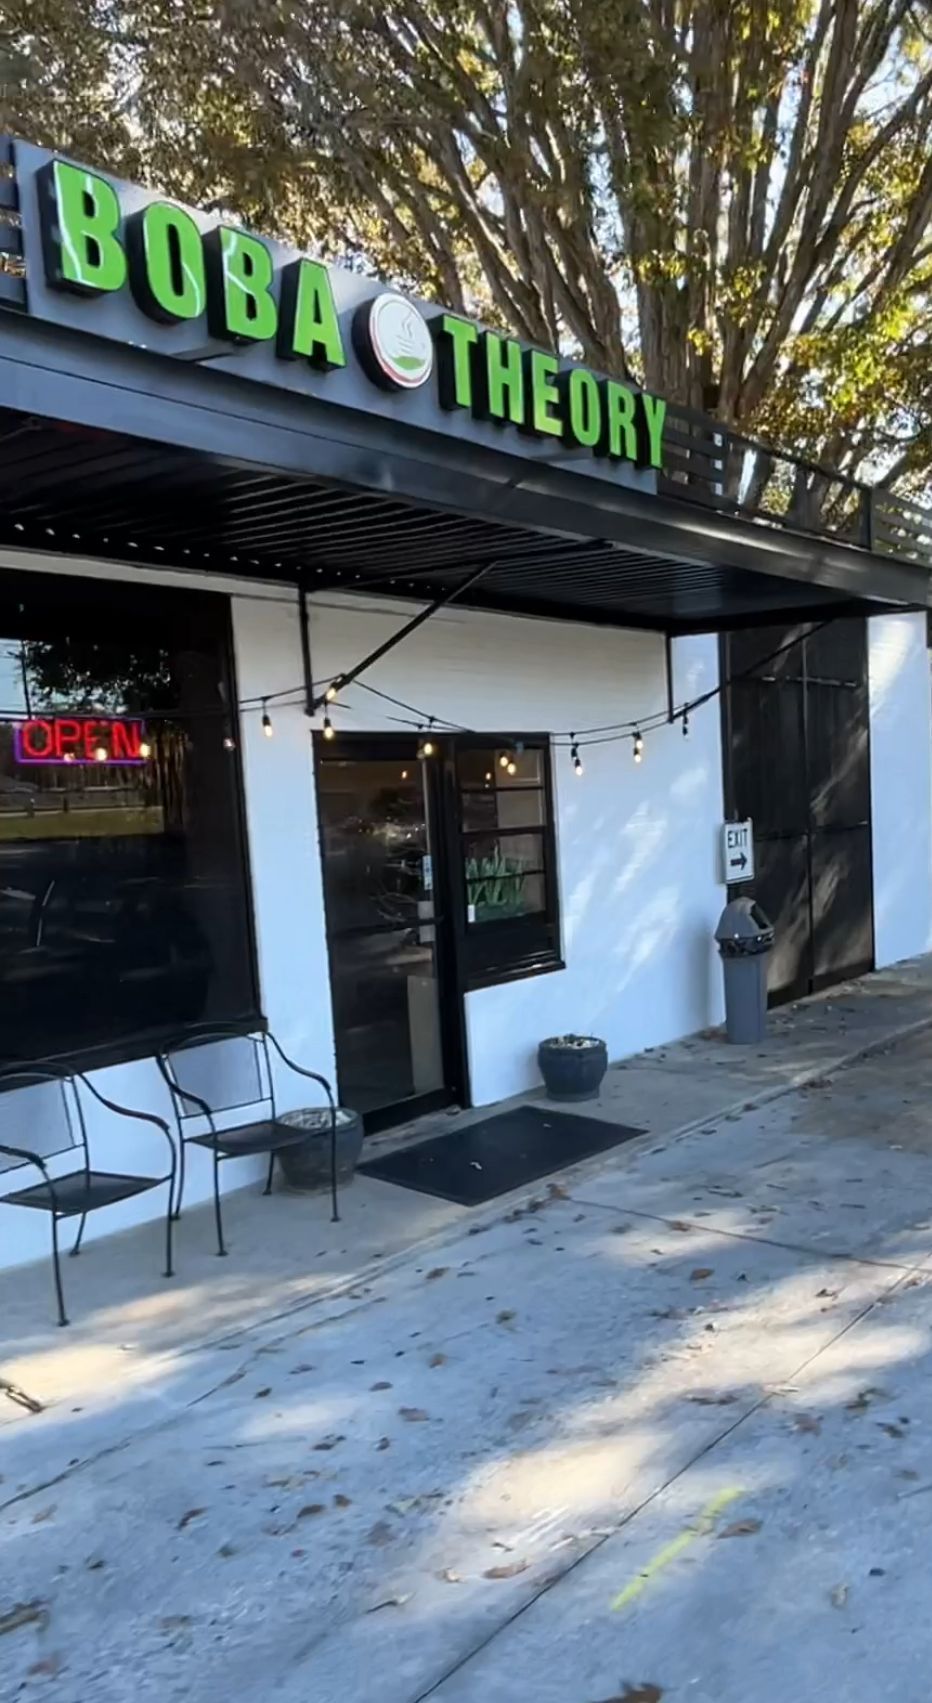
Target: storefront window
(508, 857)
(123, 894)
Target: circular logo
(400, 341)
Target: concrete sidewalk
(661, 1434)
(134, 1333)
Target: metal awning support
(381, 650)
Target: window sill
(131, 1049)
(520, 973)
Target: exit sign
(738, 851)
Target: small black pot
(306, 1165)
(572, 1072)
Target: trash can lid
(743, 919)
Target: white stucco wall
(901, 785)
(637, 846)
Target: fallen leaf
(342, 1502)
(508, 1570)
(226, 1550)
(43, 1515)
(49, 1665)
(174, 1622)
(678, 1224)
(390, 1602)
(329, 1442)
(23, 1614)
(261, 1393)
(380, 1534)
(712, 1401)
(437, 1360)
(838, 1596)
(806, 1422)
(742, 1528)
(415, 1415)
(863, 1399)
(438, 1271)
(95, 1564)
(297, 1370)
(384, 1443)
(382, 1384)
(309, 1510)
(827, 1294)
(192, 1514)
(298, 1554)
(449, 1577)
(556, 1191)
(891, 1430)
(505, 1316)
(637, 1694)
(700, 1273)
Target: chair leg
(221, 1250)
(268, 1185)
(181, 1175)
(169, 1222)
(79, 1237)
(56, 1264)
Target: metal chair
(48, 1104)
(215, 1071)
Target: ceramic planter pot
(572, 1066)
(306, 1166)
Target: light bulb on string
(145, 749)
(575, 758)
(328, 728)
(267, 727)
(229, 743)
(638, 745)
(685, 724)
(503, 760)
(100, 753)
(404, 774)
(331, 693)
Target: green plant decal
(495, 885)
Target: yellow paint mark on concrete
(703, 1526)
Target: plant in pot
(572, 1066)
(305, 1166)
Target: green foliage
(494, 884)
(727, 199)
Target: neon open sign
(80, 739)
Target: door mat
(483, 1160)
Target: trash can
(745, 938)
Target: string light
(404, 774)
(503, 760)
(686, 723)
(229, 743)
(638, 745)
(330, 696)
(575, 758)
(511, 767)
(145, 749)
(267, 727)
(329, 731)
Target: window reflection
(122, 892)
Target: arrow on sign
(739, 862)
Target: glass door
(393, 1015)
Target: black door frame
(808, 981)
(441, 810)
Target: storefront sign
(80, 739)
(104, 240)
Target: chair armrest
(178, 1093)
(129, 1112)
(32, 1159)
(299, 1070)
